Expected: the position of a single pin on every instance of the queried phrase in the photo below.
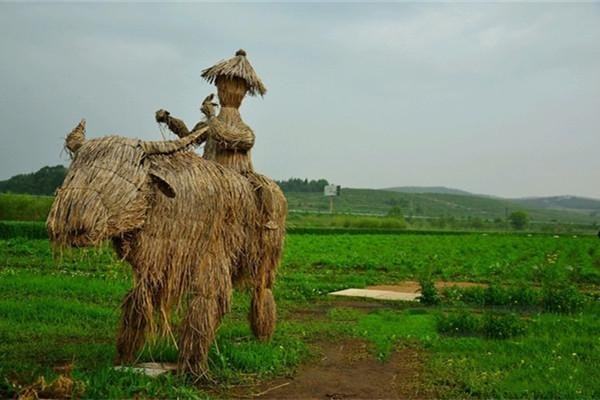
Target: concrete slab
(151, 369)
(378, 294)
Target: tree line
(303, 185)
(43, 182)
(48, 179)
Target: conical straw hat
(236, 67)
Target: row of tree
(43, 182)
(46, 180)
(518, 220)
(303, 185)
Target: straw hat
(236, 67)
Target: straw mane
(236, 67)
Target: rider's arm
(175, 125)
(233, 139)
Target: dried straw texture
(104, 201)
(199, 135)
(272, 212)
(75, 138)
(231, 91)
(236, 67)
(189, 227)
(230, 140)
(209, 108)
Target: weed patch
(490, 325)
(557, 299)
(429, 293)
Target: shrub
(501, 326)
(22, 207)
(429, 293)
(24, 229)
(518, 219)
(563, 299)
(396, 212)
(460, 324)
(525, 296)
(474, 295)
(557, 299)
(520, 296)
(392, 223)
(452, 294)
(491, 325)
(496, 296)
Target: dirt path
(414, 286)
(346, 370)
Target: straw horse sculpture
(189, 227)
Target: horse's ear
(162, 185)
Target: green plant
(473, 295)
(458, 324)
(452, 294)
(563, 299)
(524, 296)
(501, 326)
(491, 325)
(496, 296)
(518, 296)
(24, 229)
(395, 212)
(518, 219)
(23, 207)
(43, 182)
(429, 293)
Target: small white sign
(330, 190)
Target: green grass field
(24, 207)
(513, 341)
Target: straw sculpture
(237, 67)
(229, 139)
(190, 228)
(228, 142)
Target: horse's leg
(136, 310)
(263, 315)
(208, 303)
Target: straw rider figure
(228, 139)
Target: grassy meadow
(533, 333)
(24, 207)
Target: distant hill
(415, 201)
(572, 203)
(370, 201)
(43, 182)
(427, 189)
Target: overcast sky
(502, 99)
